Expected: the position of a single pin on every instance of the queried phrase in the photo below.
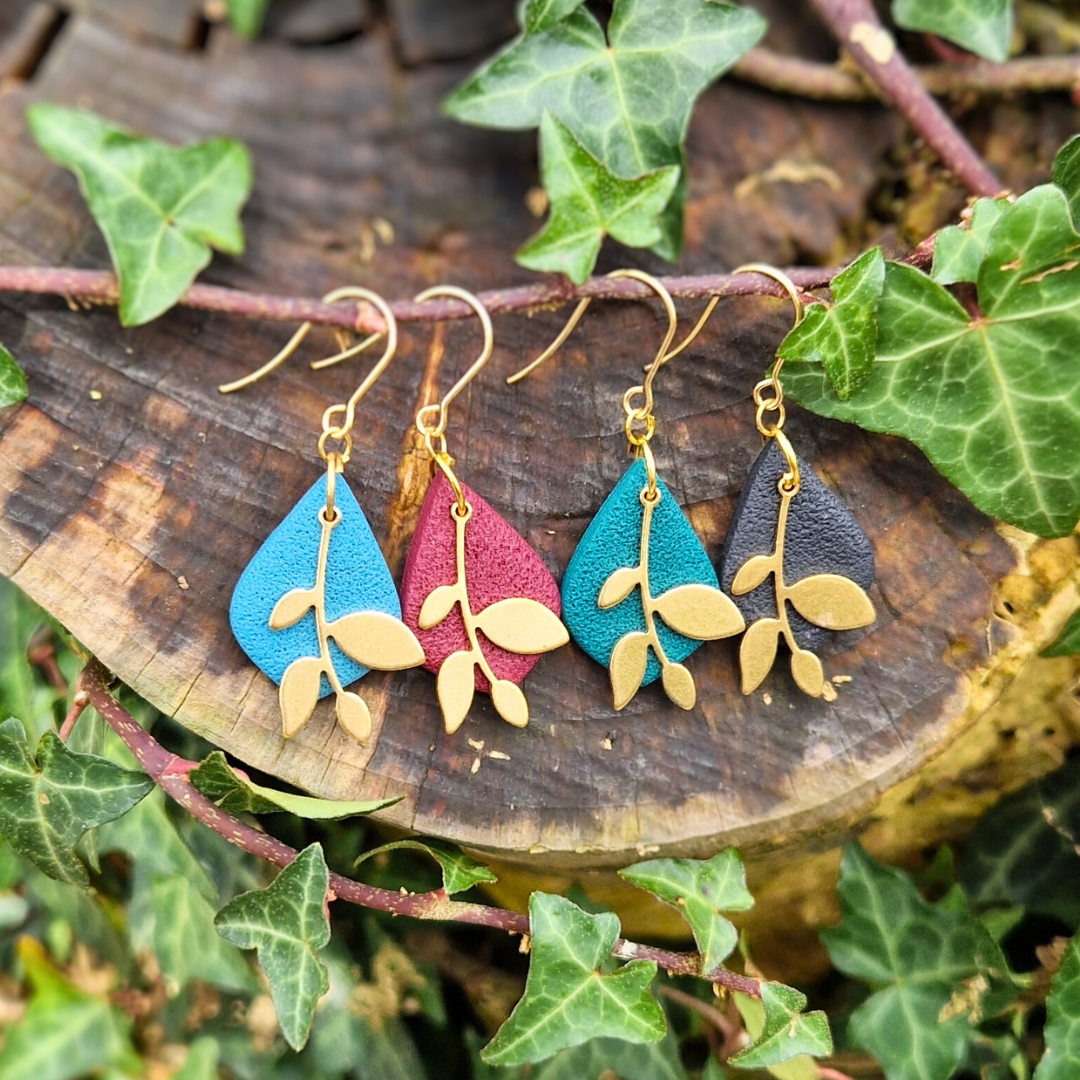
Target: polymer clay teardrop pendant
(316, 608)
(798, 567)
(640, 594)
(480, 601)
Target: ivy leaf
(700, 890)
(201, 1061)
(959, 252)
(46, 805)
(626, 97)
(589, 202)
(983, 27)
(161, 208)
(842, 338)
(12, 380)
(1068, 641)
(934, 972)
(544, 14)
(786, 1032)
(246, 16)
(287, 924)
(567, 998)
(1023, 851)
(459, 872)
(960, 388)
(1061, 1060)
(1066, 174)
(64, 1032)
(223, 785)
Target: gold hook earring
(463, 549)
(640, 594)
(320, 577)
(795, 561)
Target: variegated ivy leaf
(983, 27)
(1067, 642)
(12, 380)
(959, 250)
(1066, 174)
(700, 890)
(544, 14)
(459, 872)
(785, 1032)
(1061, 1059)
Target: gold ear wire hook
(347, 292)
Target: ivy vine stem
(855, 24)
(172, 774)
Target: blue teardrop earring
(315, 609)
(640, 594)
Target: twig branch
(171, 774)
(79, 704)
(856, 26)
(100, 286)
(830, 82)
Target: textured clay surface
(612, 540)
(498, 564)
(357, 579)
(821, 538)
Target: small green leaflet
(201, 1062)
(567, 998)
(959, 251)
(842, 338)
(160, 208)
(787, 1032)
(12, 380)
(544, 14)
(46, 805)
(287, 924)
(933, 971)
(1066, 174)
(64, 1032)
(1068, 641)
(223, 785)
(1023, 851)
(994, 402)
(1061, 1060)
(459, 872)
(246, 16)
(626, 97)
(588, 202)
(700, 890)
(983, 27)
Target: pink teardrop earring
(480, 601)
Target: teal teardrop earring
(316, 607)
(640, 593)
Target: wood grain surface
(130, 511)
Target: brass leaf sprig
(517, 624)
(696, 611)
(374, 639)
(827, 600)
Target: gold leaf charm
(758, 652)
(699, 611)
(437, 606)
(521, 625)
(510, 702)
(376, 640)
(807, 673)
(354, 716)
(752, 573)
(679, 686)
(618, 586)
(627, 666)
(455, 687)
(298, 693)
(831, 601)
(291, 608)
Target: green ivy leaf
(64, 1033)
(1066, 174)
(567, 998)
(1068, 641)
(246, 16)
(1061, 1059)
(983, 27)
(588, 202)
(287, 924)
(459, 872)
(223, 785)
(626, 97)
(933, 971)
(12, 380)
(787, 1032)
(160, 208)
(961, 388)
(800, 1067)
(842, 338)
(700, 890)
(544, 14)
(959, 251)
(46, 805)
(1023, 851)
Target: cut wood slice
(132, 494)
